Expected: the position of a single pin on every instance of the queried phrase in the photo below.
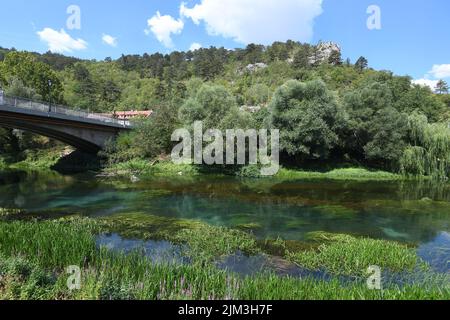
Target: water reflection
(413, 212)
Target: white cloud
(440, 71)
(163, 27)
(195, 46)
(426, 83)
(60, 41)
(109, 40)
(258, 21)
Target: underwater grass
(350, 256)
(204, 242)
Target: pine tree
(442, 87)
(361, 64)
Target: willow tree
(429, 153)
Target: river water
(417, 213)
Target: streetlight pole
(49, 95)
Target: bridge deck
(39, 109)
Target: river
(416, 213)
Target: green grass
(144, 168)
(355, 174)
(38, 159)
(3, 163)
(350, 256)
(56, 243)
(33, 257)
(6, 213)
(205, 242)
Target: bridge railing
(57, 109)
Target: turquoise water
(417, 213)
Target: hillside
(332, 111)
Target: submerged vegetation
(205, 243)
(34, 257)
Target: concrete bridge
(85, 131)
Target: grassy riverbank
(51, 159)
(143, 168)
(36, 159)
(34, 256)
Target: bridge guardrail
(57, 109)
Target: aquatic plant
(36, 271)
(57, 243)
(207, 242)
(204, 242)
(341, 254)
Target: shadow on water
(78, 161)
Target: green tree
(16, 88)
(84, 88)
(388, 131)
(254, 53)
(258, 94)
(301, 57)
(441, 87)
(361, 64)
(33, 74)
(9, 144)
(307, 115)
(278, 51)
(211, 104)
(362, 105)
(421, 99)
(110, 94)
(209, 63)
(335, 58)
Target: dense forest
(331, 112)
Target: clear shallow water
(417, 213)
(161, 252)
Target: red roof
(130, 114)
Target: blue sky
(413, 38)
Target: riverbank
(67, 160)
(35, 256)
(143, 168)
